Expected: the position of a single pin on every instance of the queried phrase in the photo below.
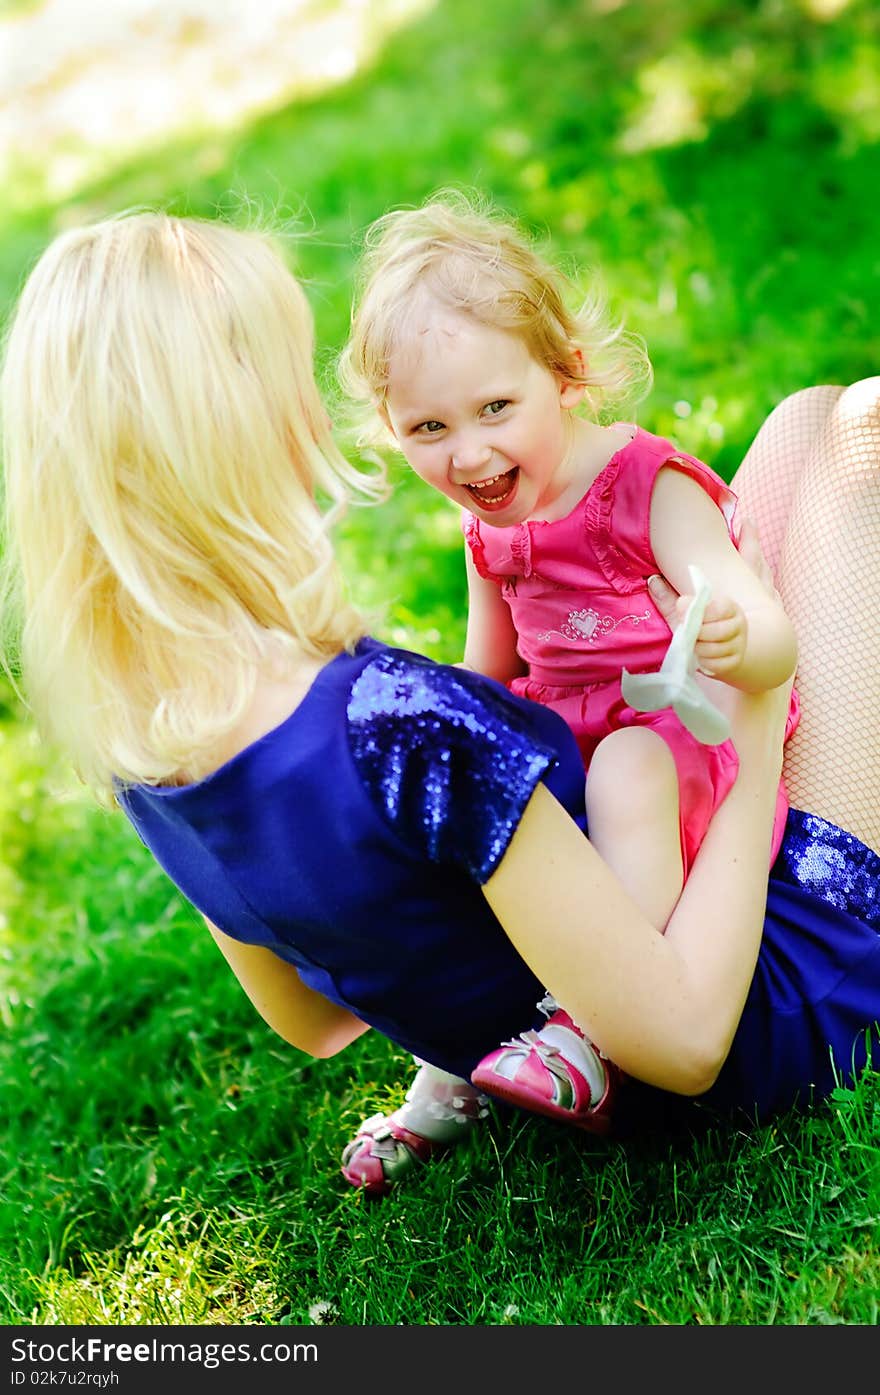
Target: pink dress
(577, 591)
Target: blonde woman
(373, 838)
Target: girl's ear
(573, 387)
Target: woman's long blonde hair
(460, 251)
(170, 479)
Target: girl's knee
(633, 773)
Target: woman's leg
(766, 480)
(828, 575)
(829, 579)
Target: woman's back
(353, 838)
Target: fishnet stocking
(765, 481)
(817, 461)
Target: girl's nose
(468, 456)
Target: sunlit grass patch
(179, 1271)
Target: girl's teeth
(481, 487)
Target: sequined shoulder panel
(832, 864)
(447, 758)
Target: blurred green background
(716, 163)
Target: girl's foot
(556, 1072)
(382, 1151)
(440, 1110)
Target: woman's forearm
(717, 923)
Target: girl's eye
(429, 428)
(493, 408)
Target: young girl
(463, 345)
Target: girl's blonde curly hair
(459, 251)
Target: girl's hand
(721, 642)
(724, 633)
(756, 719)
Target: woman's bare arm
(663, 1007)
(296, 1012)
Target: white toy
(674, 684)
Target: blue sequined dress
(354, 838)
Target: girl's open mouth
(495, 491)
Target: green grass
(166, 1158)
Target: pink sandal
(381, 1152)
(556, 1072)
(441, 1108)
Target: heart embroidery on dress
(589, 625)
(584, 621)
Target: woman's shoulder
(275, 699)
(427, 703)
(448, 758)
(312, 693)
(400, 682)
(393, 678)
(341, 699)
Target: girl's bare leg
(632, 814)
(828, 574)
